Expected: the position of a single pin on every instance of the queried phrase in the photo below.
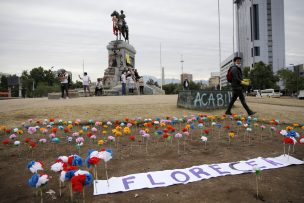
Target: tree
(262, 77)
(246, 72)
(291, 81)
(3, 84)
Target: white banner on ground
(183, 176)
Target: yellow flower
(231, 134)
(88, 127)
(147, 130)
(187, 126)
(70, 126)
(289, 128)
(118, 128)
(105, 126)
(118, 133)
(80, 132)
(127, 130)
(296, 125)
(243, 118)
(20, 132)
(100, 142)
(65, 122)
(3, 128)
(42, 130)
(162, 124)
(104, 132)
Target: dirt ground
(278, 185)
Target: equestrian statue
(120, 26)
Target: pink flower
(111, 138)
(31, 130)
(52, 135)
(75, 134)
(12, 136)
(94, 130)
(178, 135)
(42, 140)
(129, 125)
(93, 137)
(79, 139)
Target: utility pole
(219, 26)
(161, 66)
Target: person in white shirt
(123, 83)
(131, 84)
(63, 77)
(86, 80)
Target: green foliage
(172, 88)
(3, 84)
(78, 84)
(38, 82)
(262, 77)
(246, 72)
(42, 90)
(194, 86)
(152, 82)
(291, 81)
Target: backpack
(229, 75)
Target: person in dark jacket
(237, 89)
(186, 84)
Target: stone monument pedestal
(121, 56)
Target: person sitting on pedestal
(98, 88)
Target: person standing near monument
(237, 88)
(186, 84)
(123, 83)
(86, 80)
(141, 85)
(63, 77)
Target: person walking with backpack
(235, 77)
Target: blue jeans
(123, 90)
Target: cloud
(63, 33)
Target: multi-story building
(260, 32)
(214, 80)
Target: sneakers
(251, 113)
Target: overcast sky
(61, 33)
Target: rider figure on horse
(119, 24)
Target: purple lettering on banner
(126, 181)
(153, 182)
(252, 163)
(217, 169)
(198, 171)
(272, 162)
(180, 172)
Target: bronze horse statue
(120, 26)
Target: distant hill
(168, 80)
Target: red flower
(132, 138)
(157, 126)
(33, 144)
(165, 130)
(184, 130)
(54, 130)
(27, 140)
(8, 131)
(165, 136)
(77, 182)
(66, 130)
(227, 127)
(206, 132)
(94, 160)
(102, 150)
(173, 130)
(288, 140)
(52, 119)
(5, 142)
(89, 134)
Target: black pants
(235, 94)
(64, 86)
(98, 92)
(141, 89)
